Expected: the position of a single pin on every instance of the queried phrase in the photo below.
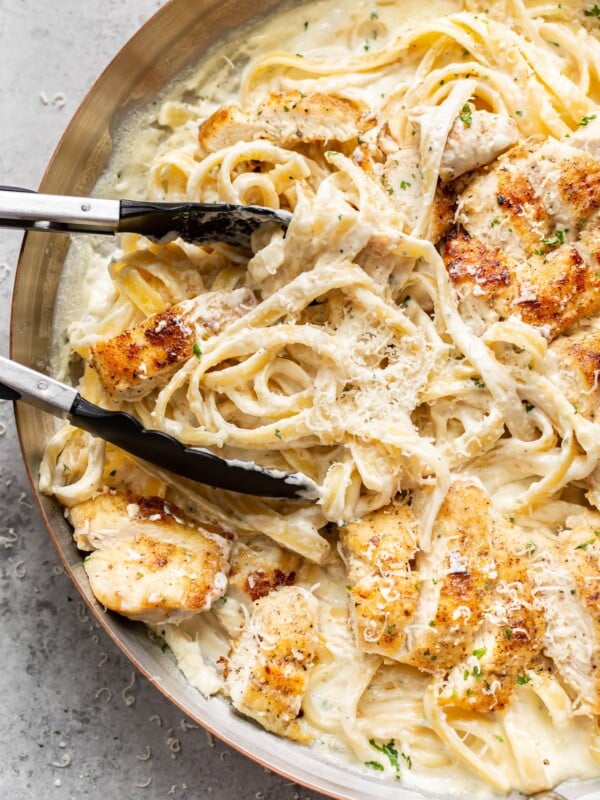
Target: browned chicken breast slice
(286, 118)
(526, 236)
(509, 636)
(464, 612)
(578, 361)
(259, 567)
(567, 577)
(383, 589)
(151, 563)
(143, 358)
(454, 579)
(268, 666)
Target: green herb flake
(197, 350)
(405, 184)
(478, 383)
(431, 623)
(408, 759)
(593, 12)
(466, 115)
(278, 433)
(519, 113)
(480, 652)
(466, 674)
(305, 24)
(529, 407)
(508, 633)
(494, 222)
(584, 545)
(374, 15)
(530, 547)
(586, 120)
(558, 239)
(374, 765)
(499, 738)
(523, 679)
(390, 751)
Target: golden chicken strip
(286, 118)
(150, 562)
(578, 370)
(383, 589)
(527, 234)
(143, 358)
(510, 634)
(268, 666)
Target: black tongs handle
(194, 222)
(124, 431)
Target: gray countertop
(77, 720)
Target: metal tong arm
(21, 208)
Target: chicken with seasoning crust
(383, 589)
(143, 358)
(467, 593)
(268, 666)
(526, 233)
(286, 118)
(149, 561)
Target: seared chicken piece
(268, 667)
(466, 612)
(578, 361)
(568, 589)
(454, 579)
(526, 236)
(152, 564)
(509, 637)
(383, 589)
(286, 118)
(260, 567)
(139, 360)
(477, 138)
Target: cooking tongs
(193, 222)
(18, 382)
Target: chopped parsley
(390, 751)
(523, 679)
(278, 433)
(586, 120)
(197, 350)
(529, 407)
(374, 765)
(466, 115)
(530, 547)
(480, 652)
(508, 633)
(559, 238)
(478, 383)
(584, 545)
(593, 12)
(405, 184)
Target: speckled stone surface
(76, 720)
